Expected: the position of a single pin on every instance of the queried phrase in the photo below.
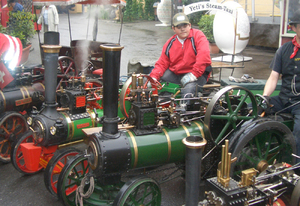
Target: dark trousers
(295, 111)
(190, 89)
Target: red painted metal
(31, 154)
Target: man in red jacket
(185, 58)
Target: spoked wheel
(227, 109)
(70, 178)
(139, 191)
(55, 166)
(295, 199)
(125, 93)
(74, 174)
(66, 69)
(259, 144)
(12, 125)
(17, 157)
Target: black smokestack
(193, 156)
(51, 49)
(111, 75)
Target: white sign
(202, 6)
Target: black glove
(268, 98)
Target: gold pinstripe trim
(70, 126)
(26, 90)
(186, 130)
(43, 85)
(201, 129)
(70, 143)
(93, 117)
(4, 100)
(21, 89)
(22, 92)
(136, 152)
(169, 144)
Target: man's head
(181, 25)
(12, 2)
(295, 22)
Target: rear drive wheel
(260, 144)
(12, 125)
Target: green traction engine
(154, 137)
(161, 131)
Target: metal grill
(27, 4)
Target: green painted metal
(75, 127)
(169, 87)
(155, 149)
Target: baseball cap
(295, 19)
(180, 18)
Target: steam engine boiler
(166, 139)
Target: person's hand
(263, 104)
(187, 78)
(268, 99)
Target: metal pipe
(194, 146)
(253, 10)
(51, 49)
(111, 75)
(223, 159)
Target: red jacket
(10, 53)
(182, 59)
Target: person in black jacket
(286, 63)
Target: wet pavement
(142, 42)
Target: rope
(80, 193)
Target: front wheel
(70, 178)
(55, 166)
(139, 191)
(17, 157)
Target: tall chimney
(193, 156)
(111, 75)
(51, 49)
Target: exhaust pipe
(111, 75)
(193, 155)
(51, 49)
